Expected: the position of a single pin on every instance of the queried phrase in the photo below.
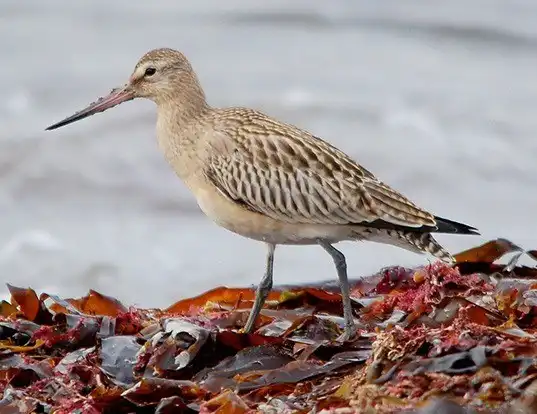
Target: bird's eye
(150, 71)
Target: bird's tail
(449, 226)
(413, 241)
(428, 244)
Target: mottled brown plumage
(268, 180)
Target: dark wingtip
(450, 226)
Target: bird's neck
(180, 123)
(184, 102)
(180, 107)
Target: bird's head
(160, 75)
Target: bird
(271, 181)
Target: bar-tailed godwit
(271, 181)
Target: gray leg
(263, 290)
(341, 267)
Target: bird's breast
(237, 218)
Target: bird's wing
(289, 175)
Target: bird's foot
(243, 330)
(347, 335)
(247, 329)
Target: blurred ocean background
(435, 97)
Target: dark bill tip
(115, 97)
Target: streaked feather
(292, 176)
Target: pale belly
(246, 223)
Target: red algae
(435, 282)
(51, 335)
(433, 336)
(130, 322)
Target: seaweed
(434, 338)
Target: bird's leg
(263, 290)
(341, 267)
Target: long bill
(115, 97)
